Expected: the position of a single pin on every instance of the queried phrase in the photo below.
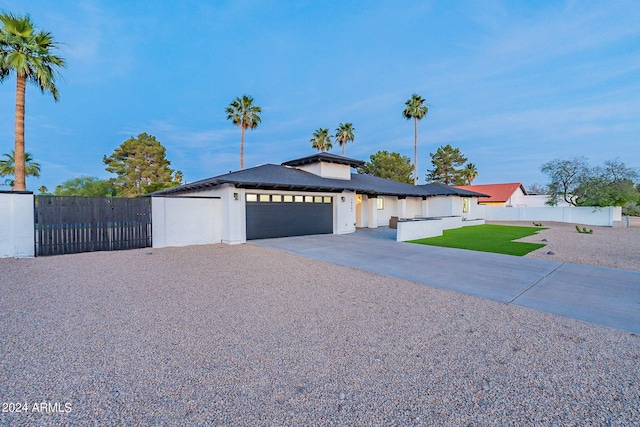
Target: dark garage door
(287, 215)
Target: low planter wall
(426, 227)
(580, 215)
(469, 222)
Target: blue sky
(513, 84)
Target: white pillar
(425, 208)
(372, 208)
(403, 208)
(234, 215)
(17, 239)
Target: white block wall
(578, 215)
(184, 221)
(16, 225)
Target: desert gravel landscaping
(617, 247)
(244, 335)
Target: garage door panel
(268, 219)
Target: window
(466, 205)
(276, 198)
(252, 197)
(288, 199)
(317, 199)
(380, 203)
(308, 199)
(326, 199)
(264, 197)
(299, 199)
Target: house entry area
(286, 215)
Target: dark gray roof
(279, 177)
(325, 157)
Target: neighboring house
(511, 194)
(499, 195)
(317, 194)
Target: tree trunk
(344, 143)
(415, 151)
(18, 165)
(241, 147)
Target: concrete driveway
(600, 295)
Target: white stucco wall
(185, 221)
(234, 214)
(517, 198)
(442, 206)
(414, 207)
(476, 210)
(422, 229)
(16, 225)
(578, 215)
(390, 209)
(344, 220)
(328, 170)
(538, 201)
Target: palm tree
(27, 52)
(43, 190)
(344, 134)
(416, 110)
(321, 140)
(7, 167)
(470, 173)
(244, 115)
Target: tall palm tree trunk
(415, 151)
(19, 172)
(343, 149)
(241, 147)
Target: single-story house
(509, 194)
(512, 194)
(317, 194)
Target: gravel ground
(615, 247)
(246, 336)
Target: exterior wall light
(236, 196)
(344, 199)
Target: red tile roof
(497, 192)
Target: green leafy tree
(87, 186)
(7, 167)
(141, 166)
(344, 134)
(415, 109)
(389, 166)
(244, 114)
(43, 190)
(447, 162)
(610, 185)
(565, 176)
(469, 173)
(26, 52)
(321, 140)
(575, 182)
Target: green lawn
(486, 238)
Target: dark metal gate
(67, 224)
